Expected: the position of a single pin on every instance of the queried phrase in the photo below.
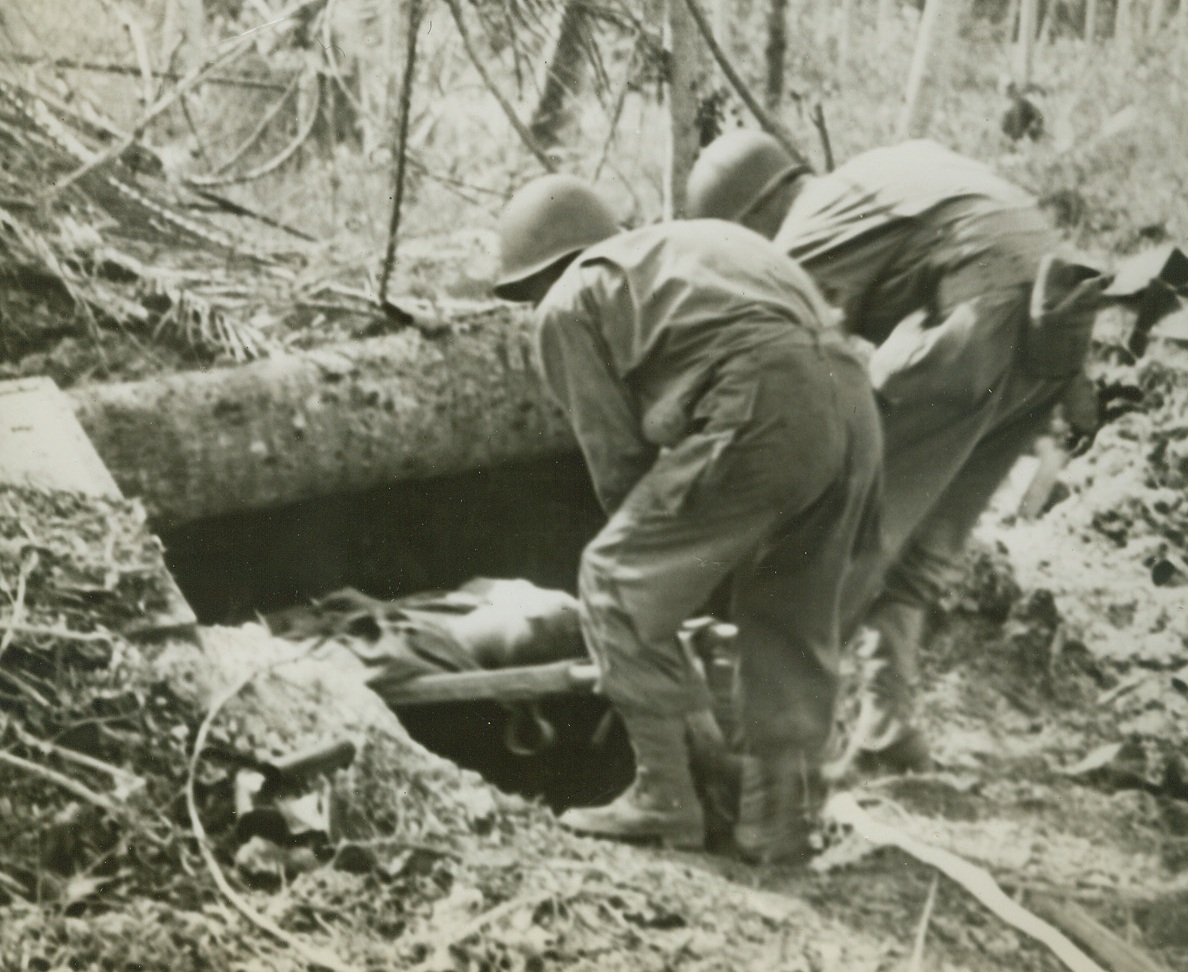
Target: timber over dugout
(343, 418)
(43, 446)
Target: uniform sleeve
(581, 374)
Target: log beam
(342, 418)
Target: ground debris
(88, 563)
(425, 866)
(92, 740)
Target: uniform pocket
(682, 468)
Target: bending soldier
(932, 258)
(672, 350)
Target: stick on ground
(976, 880)
(18, 603)
(1119, 954)
(916, 963)
(58, 779)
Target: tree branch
(283, 156)
(818, 117)
(508, 110)
(406, 84)
(976, 880)
(236, 46)
(254, 136)
(766, 122)
(99, 67)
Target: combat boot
(717, 773)
(661, 803)
(782, 796)
(884, 742)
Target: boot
(884, 742)
(661, 803)
(782, 796)
(716, 774)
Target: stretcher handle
(520, 684)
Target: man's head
(746, 177)
(543, 227)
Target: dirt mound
(1055, 702)
(1123, 585)
(422, 864)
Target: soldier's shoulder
(564, 297)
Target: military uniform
(727, 432)
(932, 257)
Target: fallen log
(345, 417)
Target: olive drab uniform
(933, 258)
(672, 350)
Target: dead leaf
(1119, 766)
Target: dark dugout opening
(524, 520)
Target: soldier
(672, 350)
(932, 258)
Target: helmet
(732, 172)
(548, 219)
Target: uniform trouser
(959, 407)
(776, 490)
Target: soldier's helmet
(733, 172)
(550, 218)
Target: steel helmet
(548, 219)
(733, 171)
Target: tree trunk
(822, 23)
(565, 76)
(774, 52)
(1158, 14)
(1124, 22)
(719, 16)
(1091, 11)
(689, 90)
(1025, 53)
(844, 32)
(1012, 21)
(379, 90)
(1047, 24)
(934, 41)
(886, 17)
(342, 418)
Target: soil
(1056, 703)
(1056, 689)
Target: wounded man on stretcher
(507, 641)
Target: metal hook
(528, 732)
